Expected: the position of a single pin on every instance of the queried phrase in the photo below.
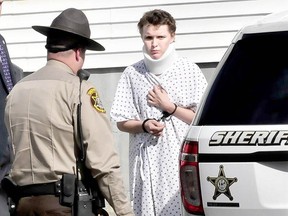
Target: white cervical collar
(159, 66)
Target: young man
(155, 102)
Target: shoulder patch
(95, 100)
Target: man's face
(156, 40)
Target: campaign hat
(70, 23)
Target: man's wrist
(143, 125)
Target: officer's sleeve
(102, 157)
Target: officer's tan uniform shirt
(41, 119)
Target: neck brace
(159, 66)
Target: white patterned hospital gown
(154, 179)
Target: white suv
(234, 160)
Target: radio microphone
(83, 74)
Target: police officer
(41, 118)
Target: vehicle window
(252, 85)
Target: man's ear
(80, 54)
(77, 54)
(173, 37)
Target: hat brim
(90, 44)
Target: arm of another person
(102, 156)
(17, 73)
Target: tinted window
(252, 86)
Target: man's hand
(159, 98)
(154, 127)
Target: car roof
(275, 22)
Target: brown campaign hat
(71, 22)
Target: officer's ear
(80, 54)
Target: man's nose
(154, 42)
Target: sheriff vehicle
(234, 160)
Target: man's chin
(155, 56)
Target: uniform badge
(222, 184)
(95, 100)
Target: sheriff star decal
(222, 184)
(95, 100)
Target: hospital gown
(154, 161)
